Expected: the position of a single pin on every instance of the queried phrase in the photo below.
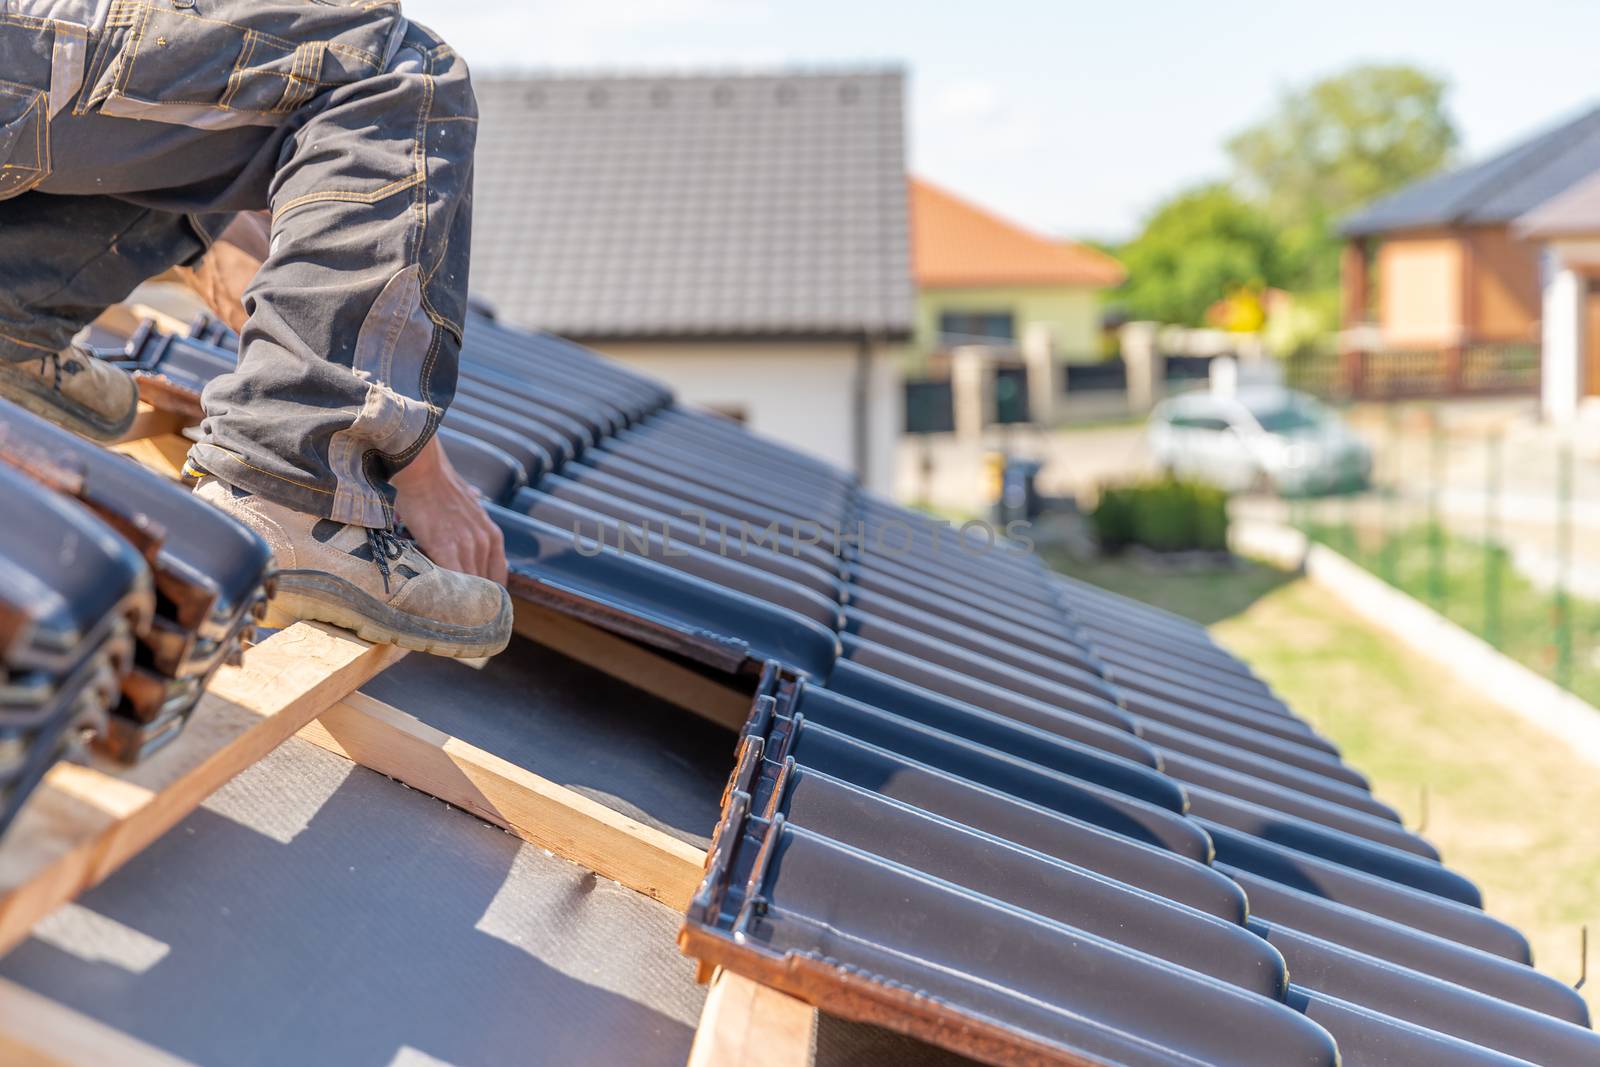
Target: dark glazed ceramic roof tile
(120, 594)
(961, 766)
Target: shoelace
(387, 547)
(52, 362)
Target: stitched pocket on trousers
(175, 65)
(24, 138)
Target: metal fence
(1499, 369)
(1497, 531)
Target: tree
(1197, 248)
(1327, 149)
(1332, 147)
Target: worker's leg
(348, 357)
(349, 354)
(63, 260)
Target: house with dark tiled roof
(1455, 262)
(741, 236)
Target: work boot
(374, 583)
(75, 390)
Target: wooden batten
(746, 1024)
(633, 663)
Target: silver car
(1262, 438)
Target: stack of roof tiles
(120, 595)
(976, 801)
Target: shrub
(1164, 514)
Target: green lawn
(1206, 595)
(1505, 805)
(1476, 587)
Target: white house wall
(1563, 342)
(799, 393)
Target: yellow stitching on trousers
(275, 477)
(28, 344)
(236, 76)
(348, 196)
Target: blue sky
(1075, 118)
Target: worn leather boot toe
(374, 583)
(74, 390)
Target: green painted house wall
(1072, 314)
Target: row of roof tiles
(120, 596)
(976, 801)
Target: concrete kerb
(1519, 690)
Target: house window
(976, 327)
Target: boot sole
(45, 402)
(314, 596)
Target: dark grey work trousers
(131, 132)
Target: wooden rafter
(536, 809)
(744, 1024)
(82, 823)
(153, 422)
(162, 452)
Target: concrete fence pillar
(1044, 373)
(1147, 367)
(972, 389)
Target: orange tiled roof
(955, 243)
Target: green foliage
(1476, 586)
(1344, 140)
(1328, 149)
(1164, 514)
(1195, 249)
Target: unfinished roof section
(749, 206)
(1496, 190)
(957, 244)
(976, 802)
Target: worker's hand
(446, 516)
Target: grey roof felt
(577, 726)
(314, 912)
(695, 206)
(1495, 190)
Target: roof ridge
(1054, 260)
(1545, 147)
(1451, 196)
(989, 213)
(820, 69)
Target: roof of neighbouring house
(957, 244)
(1495, 190)
(1573, 213)
(695, 205)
